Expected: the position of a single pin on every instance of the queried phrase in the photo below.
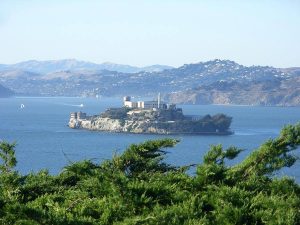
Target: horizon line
(140, 66)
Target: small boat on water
(22, 106)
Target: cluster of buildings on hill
(138, 107)
(151, 117)
(155, 104)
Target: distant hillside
(183, 79)
(292, 70)
(278, 92)
(5, 92)
(51, 66)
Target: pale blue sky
(140, 32)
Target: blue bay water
(45, 142)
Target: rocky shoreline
(141, 127)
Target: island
(151, 117)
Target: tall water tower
(158, 100)
(126, 99)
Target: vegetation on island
(116, 113)
(139, 187)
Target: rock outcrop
(211, 125)
(116, 125)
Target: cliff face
(116, 125)
(217, 125)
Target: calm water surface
(44, 140)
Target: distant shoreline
(116, 97)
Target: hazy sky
(151, 32)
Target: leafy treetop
(138, 187)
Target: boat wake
(74, 105)
(256, 132)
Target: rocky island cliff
(151, 118)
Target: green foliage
(221, 121)
(146, 157)
(7, 155)
(272, 155)
(208, 124)
(138, 187)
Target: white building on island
(155, 104)
(128, 103)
